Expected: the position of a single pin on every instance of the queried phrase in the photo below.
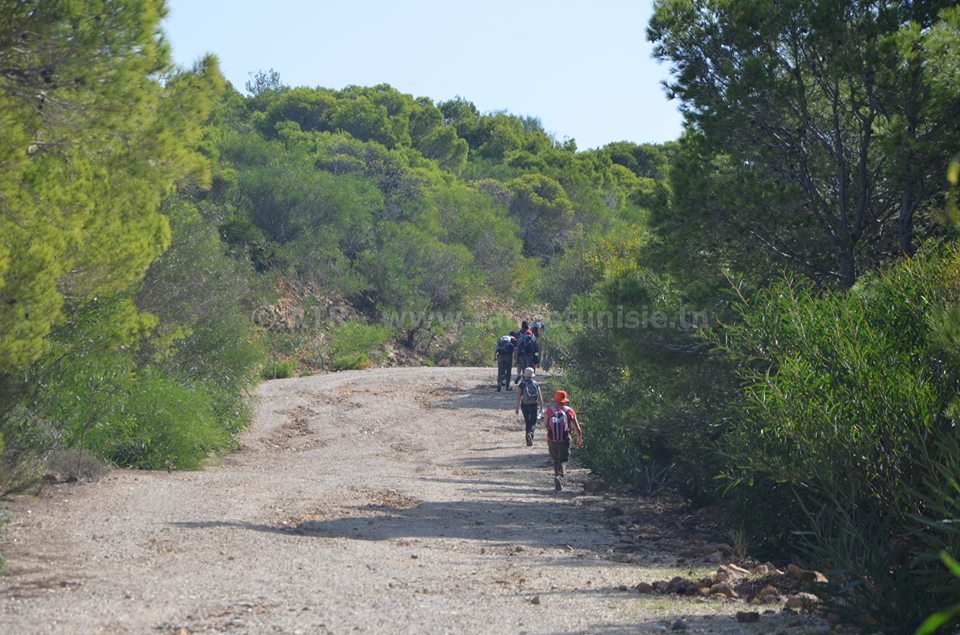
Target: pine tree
(95, 127)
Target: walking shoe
(498, 387)
(529, 439)
(557, 482)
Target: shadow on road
(485, 396)
(536, 517)
(545, 525)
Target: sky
(584, 69)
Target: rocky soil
(397, 500)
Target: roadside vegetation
(761, 315)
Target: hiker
(529, 401)
(538, 328)
(504, 356)
(560, 420)
(527, 349)
(524, 328)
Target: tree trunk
(848, 267)
(907, 208)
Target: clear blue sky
(583, 68)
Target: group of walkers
(522, 348)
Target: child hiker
(561, 421)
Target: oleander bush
(846, 448)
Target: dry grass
(71, 465)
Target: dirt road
(385, 501)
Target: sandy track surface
(386, 501)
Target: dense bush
(354, 361)
(475, 338)
(631, 347)
(27, 439)
(353, 344)
(151, 377)
(201, 298)
(279, 369)
(159, 424)
(848, 447)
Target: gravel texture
(398, 500)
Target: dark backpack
(530, 393)
(527, 345)
(504, 345)
(558, 426)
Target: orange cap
(561, 397)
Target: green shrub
(354, 361)
(205, 338)
(354, 340)
(29, 439)
(413, 276)
(160, 424)
(288, 344)
(142, 417)
(617, 450)
(474, 342)
(221, 357)
(652, 397)
(849, 432)
(154, 376)
(279, 369)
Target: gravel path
(382, 501)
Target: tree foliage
(545, 214)
(99, 129)
(825, 109)
(91, 141)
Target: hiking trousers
(525, 361)
(504, 366)
(529, 411)
(560, 453)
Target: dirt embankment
(398, 500)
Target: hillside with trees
(760, 316)
(167, 238)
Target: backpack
(504, 345)
(538, 328)
(527, 345)
(558, 425)
(530, 394)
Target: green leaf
(938, 619)
(952, 564)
